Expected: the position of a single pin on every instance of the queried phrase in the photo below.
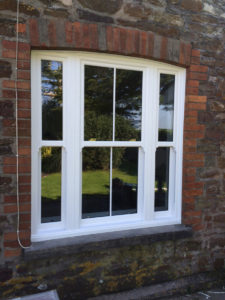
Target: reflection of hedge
(165, 134)
(51, 159)
(100, 128)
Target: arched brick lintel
(110, 39)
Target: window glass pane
(166, 107)
(98, 98)
(124, 181)
(162, 178)
(50, 184)
(95, 182)
(128, 105)
(52, 99)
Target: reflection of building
(166, 103)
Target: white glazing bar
(114, 102)
(165, 144)
(110, 185)
(52, 144)
(111, 144)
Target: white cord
(17, 152)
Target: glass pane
(128, 105)
(50, 184)
(52, 99)
(98, 119)
(166, 107)
(162, 178)
(124, 181)
(95, 182)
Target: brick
(21, 28)
(190, 113)
(23, 75)
(150, 44)
(196, 106)
(77, 34)
(194, 156)
(24, 151)
(195, 52)
(192, 83)
(86, 36)
(11, 45)
(193, 185)
(52, 34)
(24, 179)
(23, 65)
(190, 142)
(11, 160)
(143, 43)
(24, 168)
(34, 32)
(12, 84)
(193, 134)
(198, 68)
(136, 41)
(116, 39)
(129, 41)
(193, 213)
(9, 169)
(122, 40)
(194, 127)
(93, 32)
(192, 91)
(194, 163)
(197, 99)
(163, 50)
(12, 54)
(185, 54)
(25, 114)
(195, 60)
(9, 199)
(198, 76)
(26, 104)
(5, 69)
(109, 38)
(10, 253)
(25, 142)
(25, 189)
(69, 32)
(8, 209)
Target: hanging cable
(17, 150)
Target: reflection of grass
(97, 182)
(94, 182)
(51, 186)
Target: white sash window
(107, 137)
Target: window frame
(72, 144)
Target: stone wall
(189, 33)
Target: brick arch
(109, 39)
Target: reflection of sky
(47, 89)
(165, 116)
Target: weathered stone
(24, 8)
(66, 2)
(209, 173)
(86, 15)
(100, 6)
(205, 146)
(7, 27)
(137, 11)
(5, 69)
(58, 13)
(192, 5)
(217, 106)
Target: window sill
(116, 239)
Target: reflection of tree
(99, 103)
(51, 100)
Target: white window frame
(71, 223)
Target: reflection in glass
(50, 184)
(162, 178)
(98, 120)
(166, 107)
(52, 99)
(128, 105)
(124, 181)
(95, 182)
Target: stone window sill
(117, 239)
